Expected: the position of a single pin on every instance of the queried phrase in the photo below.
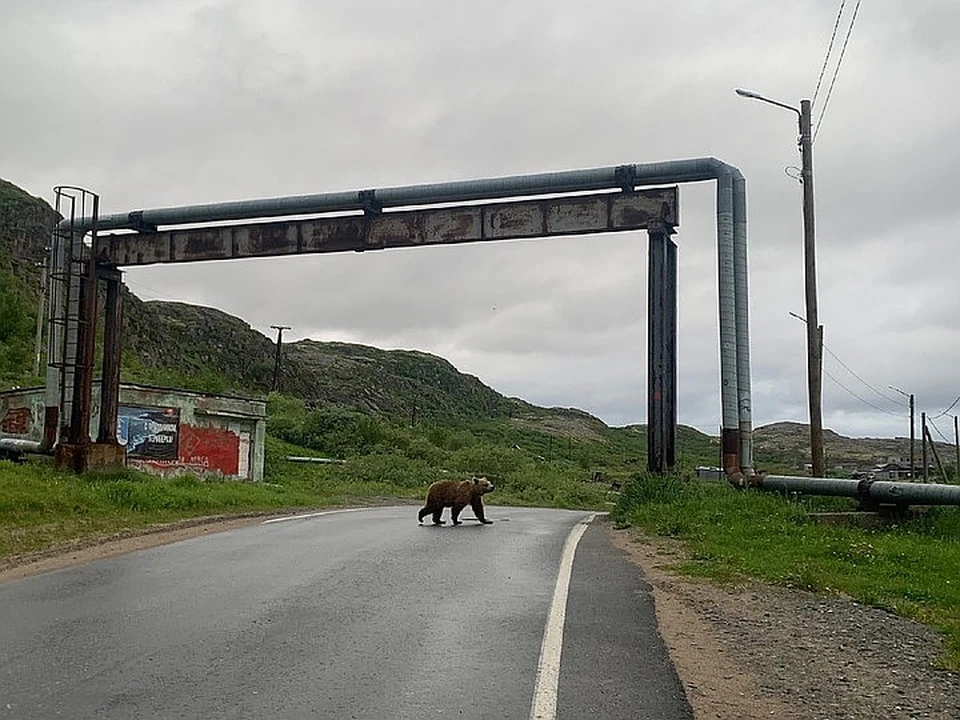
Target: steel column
(661, 349)
(79, 430)
(110, 381)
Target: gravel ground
(758, 651)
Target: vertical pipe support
(742, 322)
(79, 430)
(661, 349)
(86, 347)
(110, 378)
(729, 386)
(56, 262)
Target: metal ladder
(68, 266)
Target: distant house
(887, 471)
(891, 471)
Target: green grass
(910, 569)
(41, 508)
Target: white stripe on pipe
(312, 515)
(544, 705)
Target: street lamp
(814, 349)
(910, 397)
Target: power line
(858, 377)
(851, 371)
(940, 415)
(836, 70)
(863, 400)
(930, 420)
(826, 58)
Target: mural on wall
(149, 433)
(156, 438)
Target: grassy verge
(41, 508)
(910, 569)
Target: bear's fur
(456, 495)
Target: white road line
(312, 515)
(544, 705)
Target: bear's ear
(475, 480)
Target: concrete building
(165, 432)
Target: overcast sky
(153, 103)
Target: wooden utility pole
(814, 330)
(38, 343)
(913, 475)
(276, 360)
(936, 455)
(913, 462)
(923, 444)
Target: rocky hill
(25, 225)
(787, 445)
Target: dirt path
(756, 651)
(744, 653)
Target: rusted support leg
(661, 349)
(79, 431)
(110, 382)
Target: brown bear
(456, 495)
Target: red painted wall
(204, 449)
(210, 448)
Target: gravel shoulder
(758, 651)
(749, 651)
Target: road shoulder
(756, 651)
(77, 553)
(614, 663)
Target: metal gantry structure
(619, 198)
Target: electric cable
(836, 71)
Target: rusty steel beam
(576, 215)
(110, 378)
(661, 349)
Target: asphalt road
(347, 615)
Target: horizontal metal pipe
(814, 486)
(20, 446)
(322, 461)
(605, 178)
(885, 491)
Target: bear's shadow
(464, 523)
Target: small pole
(936, 455)
(913, 474)
(276, 360)
(923, 444)
(956, 435)
(40, 318)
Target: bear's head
(481, 485)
